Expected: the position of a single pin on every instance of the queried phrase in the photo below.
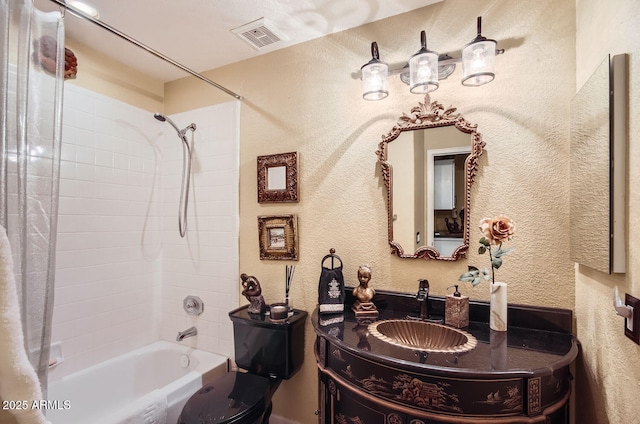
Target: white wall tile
(192, 265)
(122, 270)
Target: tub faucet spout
(189, 332)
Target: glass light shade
(84, 7)
(478, 60)
(374, 81)
(423, 72)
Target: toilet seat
(235, 397)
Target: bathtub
(107, 393)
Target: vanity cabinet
(444, 188)
(522, 376)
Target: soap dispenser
(456, 309)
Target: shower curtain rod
(132, 40)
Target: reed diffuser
(288, 278)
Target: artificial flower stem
(493, 277)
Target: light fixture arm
(480, 37)
(479, 26)
(423, 44)
(375, 54)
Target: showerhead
(160, 117)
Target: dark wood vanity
(519, 376)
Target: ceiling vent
(260, 34)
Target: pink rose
(498, 229)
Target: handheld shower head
(186, 170)
(160, 117)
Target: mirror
(278, 178)
(429, 160)
(598, 168)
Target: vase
(498, 307)
(498, 346)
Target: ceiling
(197, 33)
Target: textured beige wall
(304, 99)
(104, 75)
(100, 73)
(608, 374)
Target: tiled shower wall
(122, 270)
(205, 262)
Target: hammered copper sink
(423, 336)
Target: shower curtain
(31, 87)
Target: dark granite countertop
(538, 340)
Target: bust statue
(364, 307)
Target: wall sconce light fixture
(423, 69)
(478, 59)
(426, 67)
(374, 76)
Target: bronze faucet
(423, 298)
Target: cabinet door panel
(444, 184)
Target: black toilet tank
(266, 347)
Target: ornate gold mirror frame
(425, 116)
(278, 178)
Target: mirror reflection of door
(445, 215)
(429, 188)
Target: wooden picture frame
(278, 237)
(278, 178)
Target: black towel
(331, 291)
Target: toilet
(267, 352)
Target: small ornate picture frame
(278, 178)
(278, 237)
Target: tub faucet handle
(193, 305)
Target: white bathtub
(109, 391)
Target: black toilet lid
(232, 398)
